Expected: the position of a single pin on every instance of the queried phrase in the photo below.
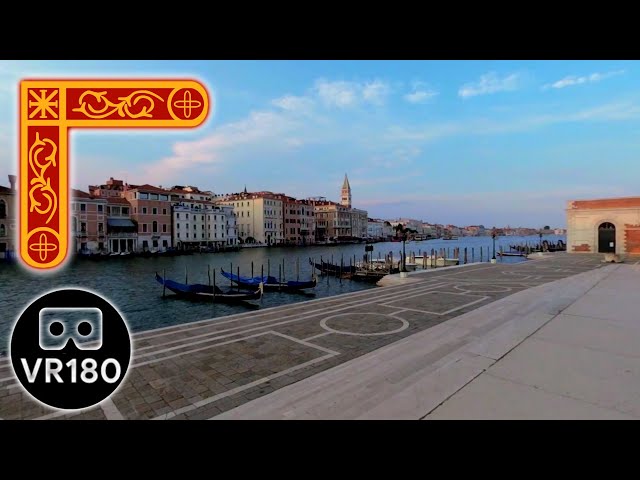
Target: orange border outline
(65, 125)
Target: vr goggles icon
(82, 326)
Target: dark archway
(606, 238)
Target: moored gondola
(270, 283)
(198, 291)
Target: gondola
(270, 283)
(511, 254)
(334, 270)
(198, 291)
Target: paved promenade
(411, 350)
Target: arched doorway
(606, 238)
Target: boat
(511, 254)
(334, 270)
(198, 291)
(450, 237)
(270, 283)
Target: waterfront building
(299, 221)
(259, 216)
(359, 220)
(609, 225)
(559, 231)
(375, 229)
(201, 223)
(88, 222)
(152, 213)
(333, 220)
(8, 215)
(474, 230)
(122, 232)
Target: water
(131, 286)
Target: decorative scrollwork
(39, 184)
(97, 105)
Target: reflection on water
(129, 282)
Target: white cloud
(490, 83)
(420, 96)
(255, 130)
(420, 93)
(575, 80)
(375, 92)
(293, 103)
(344, 94)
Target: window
(143, 196)
(135, 210)
(154, 210)
(164, 198)
(177, 225)
(215, 226)
(144, 210)
(178, 216)
(178, 234)
(153, 196)
(187, 234)
(3, 230)
(194, 226)
(203, 235)
(155, 244)
(83, 207)
(3, 209)
(164, 211)
(215, 217)
(202, 217)
(247, 214)
(154, 227)
(165, 244)
(164, 228)
(187, 216)
(101, 227)
(100, 208)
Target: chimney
(12, 181)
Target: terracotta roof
(148, 188)
(5, 189)
(80, 194)
(118, 200)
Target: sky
(461, 142)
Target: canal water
(130, 284)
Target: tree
(546, 227)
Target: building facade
(8, 215)
(88, 222)
(610, 225)
(333, 220)
(152, 214)
(299, 221)
(359, 223)
(198, 223)
(259, 216)
(122, 232)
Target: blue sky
(463, 142)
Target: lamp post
(540, 234)
(493, 236)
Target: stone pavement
(565, 350)
(243, 365)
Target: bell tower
(345, 197)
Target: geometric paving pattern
(201, 369)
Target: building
(378, 229)
(610, 225)
(152, 214)
(88, 222)
(259, 216)
(345, 193)
(122, 232)
(299, 221)
(359, 223)
(8, 214)
(333, 220)
(201, 223)
(474, 231)
(559, 231)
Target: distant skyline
(461, 142)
